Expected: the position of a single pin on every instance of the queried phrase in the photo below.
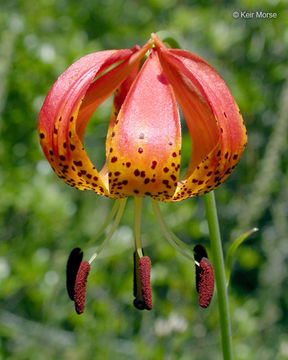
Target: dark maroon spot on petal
(71, 119)
(61, 157)
(55, 130)
(113, 159)
(51, 152)
(165, 169)
(83, 172)
(142, 174)
(226, 155)
(72, 147)
(216, 172)
(89, 176)
(146, 181)
(136, 172)
(78, 163)
(179, 152)
(174, 154)
(209, 173)
(194, 181)
(205, 167)
(170, 143)
(124, 182)
(128, 164)
(153, 180)
(219, 153)
(140, 150)
(70, 133)
(64, 145)
(200, 182)
(173, 177)
(113, 134)
(225, 114)
(117, 173)
(154, 164)
(111, 149)
(42, 136)
(136, 191)
(235, 157)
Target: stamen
(173, 240)
(72, 267)
(206, 283)
(142, 265)
(204, 276)
(112, 230)
(141, 285)
(138, 301)
(80, 286)
(145, 269)
(106, 223)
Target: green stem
(218, 263)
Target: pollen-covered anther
(206, 282)
(145, 269)
(142, 287)
(80, 286)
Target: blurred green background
(42, 219)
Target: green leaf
(232, 250)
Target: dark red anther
(206, 282)
(141, 283)
(145, 269)
(80, 286)
(72, 267)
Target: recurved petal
(68, 108)
(213, 118)
(144, 157)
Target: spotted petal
(69, 106)
(213, 118)
(144, 157)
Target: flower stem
(218, 263)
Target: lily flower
(143, 143)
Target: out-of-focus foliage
(42, 219)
